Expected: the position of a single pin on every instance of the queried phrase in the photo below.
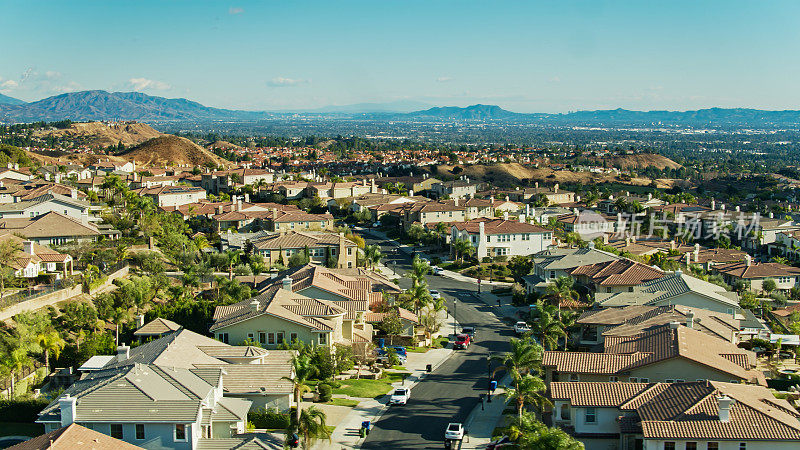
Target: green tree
(525, 357)
(8, 250)
(14, 361)
(51, 342)
(768, 285)
(372, 255)
(528, 389)
(563, 289)
(392, 325)
(520, 266)
(310, 425)
(303, 369)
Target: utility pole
(455, 308)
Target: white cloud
(555, 79)
(8, 84)
(287, 82)
(234, 11)
(52, 74)
(444, 79)
(140, 84)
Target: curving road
(451, 392)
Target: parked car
(376, 225)
(436, 270)
(435, 294)
(470, 331)
(400, 396)
(521, 327)
(462, 341)
(499, 443)
(454, 431)
(382, 356)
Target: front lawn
(363, 388)
(343, 402)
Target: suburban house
(409, 320)
(249, 372)
(552, 263)
(329, 249)
(287, 220)
(108, 166)
(758, 231)
(672, 352)
(76, 437)
(695, 415)
(53, 228)
(553, 194)
(588, 224)
(413, 183)
(620, 275)
(596, 324)
(13, 172)
(279, 315)
(225, 180)
(610, 204)
(170, 408)
(330, 190)
(461, 188)
(165, 196)
(455, 210)
(49, 202)
(154, 329)
(675, 288)
(35, 259)
(502, 237)
(340, 285)
(754, 274)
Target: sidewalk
(505, 309)
(484, 284)
(346, 433)
(482, 421)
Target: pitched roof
(568, 258)
(156, 326)
(757, 270)
(358, 287)
(667, 287)
(499, 226)
(74, 436)
(265, 378)
(51, 224)
(691, 410)
(303, 239)
(179, 348)
(622, 272)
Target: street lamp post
(455, 308)
(489, 374)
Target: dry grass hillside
(640, 161)
(100, 134)
(169, 150)
(510, 175)
(224, 145)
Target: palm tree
(563, 288)
(420, 296)
(14, 361)
(525, 357)
(302, 370)
(527, 389)
(51, 342)
(441, 231)
(462, 248)
(372, 255)
(548, 327)
(119, 316)
(312, 426)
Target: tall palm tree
(302, 370)
(372, 255)
(525, 357)
(51, 343)
(119, 316)
(548, 328)
(528, 389)
(312, 426)
(563, 288)
(441, 231)
(462, 248)
(420, 296)
(419, 268)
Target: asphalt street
(451, 392)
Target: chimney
(140, 321)
(738, 209)
(690, 319)
(481, 230)
(771, 215)
(748, 260)
(649, 196)
(688, 258)
(713, 204)
(507, 198)
(123, 353)
(555, 189)
(673, 245)
(73, 193)
(239, 204)
(234, 198)
(410, 192)
(27, 247)
(505, 215)
(536, 184)
(722, 206)
(491, 200)
(522, 218)
(287, 283)
(364, 182)
(696, 252)
(627, 193)
(67, 405)
(455, 201)
(246, 198)
(725, 404)
(219, 209)
(674, 325)
(255, 305)
(16, 166)
(527, 209)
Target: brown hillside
(100, 134)
(640, 161)
(224, 145)
(169, 150)
(509, 175)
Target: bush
(22, 409)
(486, 259)
(263, 418)
(325, 392)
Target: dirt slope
(169, 150)
(100, 134)
(640, 160)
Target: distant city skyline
(534, 56)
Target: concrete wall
(57, 296)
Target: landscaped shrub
(325, 392)
(263, 418)
(21, 409)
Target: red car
(462, 341)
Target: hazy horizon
(525, 57)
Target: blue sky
(526, 56)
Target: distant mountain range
(102, 105)
(6, 100)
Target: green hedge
(262, 418)
(21, 410)
(325, 392)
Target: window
(608, 289)
(691, 446)
(251, 337)
(591, 415)
(565, 412)
(668, 380)
(680, 381)
(349, 251)
(279, 336)
(573, 377)
(644, 380)
(180, 432)
(713, 446)
(323, 339)
(613, 378)
(634, 380)
(139, 431)
(669, 445)
(271, 338)
(262, 337)
(222, 337)
(742, 445)
(630, 288)
(552, 274)
(116, 430)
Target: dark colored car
(469, 331)
(462, 341)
